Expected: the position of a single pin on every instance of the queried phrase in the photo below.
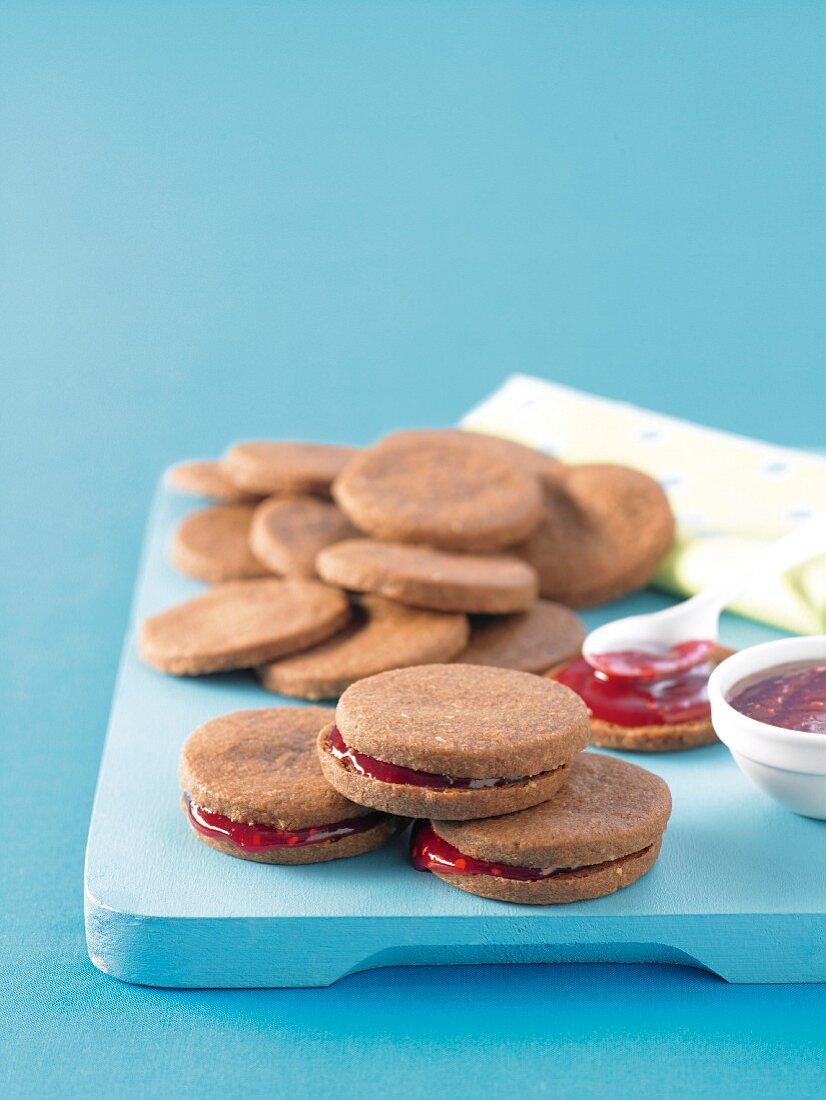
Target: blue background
(326, 220)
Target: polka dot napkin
(731, 495)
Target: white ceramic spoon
(698, 618)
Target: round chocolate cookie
(287, 533)
(207, 479)
(452, 741)
(435, 579)
(383, 635)
(532, 461)
(265, 468)
(658, 736)
(603, 532)
(214, 545)
(601, 832)
(252, 788)
(532, 641)
(439, 492)
(242, 624)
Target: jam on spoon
(791, 696)
(651, 663)
(644, 687)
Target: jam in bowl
(768, 706)
(791, 696)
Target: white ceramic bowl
(789, 765)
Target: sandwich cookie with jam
(252, 788)
(452, 741)
(600, 833)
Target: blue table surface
(327, 220)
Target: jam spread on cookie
(430, 852)
(368, 766)
(258, 838)
(645, 688)
(791, 696)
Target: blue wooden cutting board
(740, 887)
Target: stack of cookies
(489, 761)
(331, 564)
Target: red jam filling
(792, 697)
(430, 852)
(650, 663)
(258, 838)
(667, 700)
(395, 773)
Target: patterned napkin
(731, 495)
